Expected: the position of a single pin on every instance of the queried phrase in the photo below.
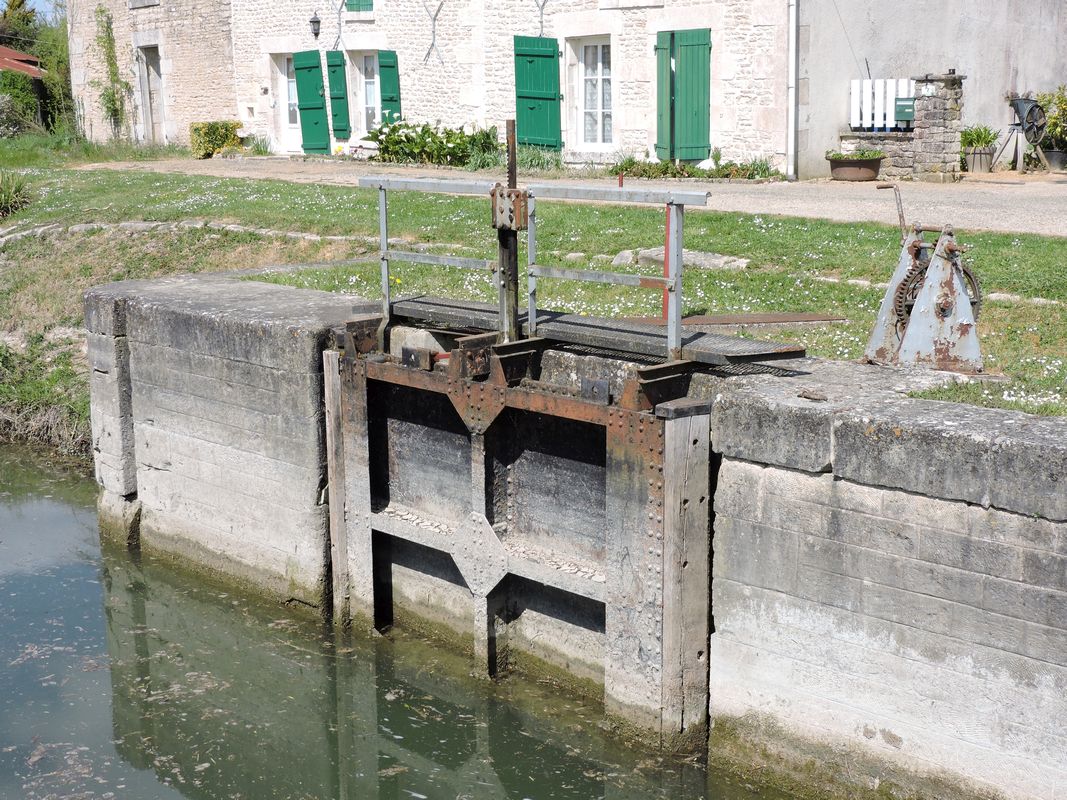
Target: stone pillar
(938, 122)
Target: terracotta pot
(855, 169)
(1057, 159)
(979, 159)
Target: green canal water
(119, 679)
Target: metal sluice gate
(565, 518)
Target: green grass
(44, 397)
(50, 150)
(41, 280)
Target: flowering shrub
(208, 138)
(409, 143)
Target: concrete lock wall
(889, 575)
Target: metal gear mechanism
(908, 290)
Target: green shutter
(359, 5)
(537, 112)
(335, 73)
(664, 96)
(692, 94)
(311, 100)
(389, 85)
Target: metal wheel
(908, 290)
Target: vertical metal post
(666, 256)
(531, 259)
(383, 248)
(508, 248)
(673, 261)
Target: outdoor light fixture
(316, 24)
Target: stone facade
(930, 151)
(225, 60)
(196, 64)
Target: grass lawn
(41, 280)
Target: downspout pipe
(791, 90)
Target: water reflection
(170, 687)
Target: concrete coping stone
(856, 421)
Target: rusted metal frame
(508, 253)
(634, 609)
(596, 276)
(523, 398)
(657, 384)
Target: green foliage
(208, 138)
(24, 99)
(113, 90)
(859, 155)
(980, 136)
(53, 49)
(758, 168)
(14, 193)
(18, 25)
(403, 142)
(260, 146)
(43, 398)
(1055, 105)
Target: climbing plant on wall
(113, 89)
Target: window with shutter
(664, 95)
(683, 94)
(389, 85)
(335, 73)
(311, 101)
(359, 5)
(537, 97)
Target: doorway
(286, 107)
(151, 79)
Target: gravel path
(1003, 202)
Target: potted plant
(861, 165)
(979, 143)
(1055, 141)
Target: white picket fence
(873, 103)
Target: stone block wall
(210, 425)
(930, 151)
(196, 64)
(891, 575)
(938, 123)
(899, 148)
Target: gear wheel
(908, 290)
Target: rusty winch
(930, 310)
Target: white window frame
(290, 91)
(577, 86)
(358, 93)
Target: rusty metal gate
(570, 518)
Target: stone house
(594, 78)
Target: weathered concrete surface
(207, 413)
(889, 573)
(929, 630)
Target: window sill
(358, 16)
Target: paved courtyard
(1002, 202)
